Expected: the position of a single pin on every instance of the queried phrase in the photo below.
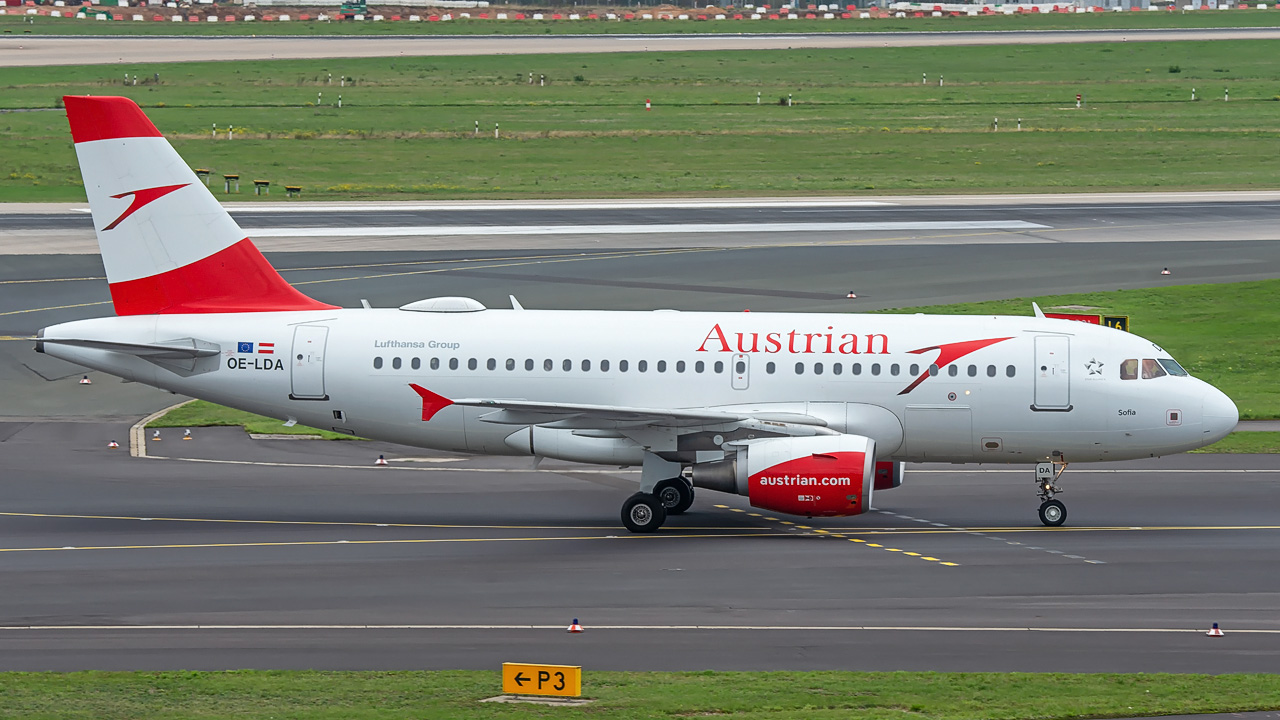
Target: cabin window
(604, 366)
(377, 363)
(699, 366)
(662, 366)
(933, 371)
(915, 369)
(1011, 371)
(453, 363)
(435, 363)
(719, 367)
(492, 364)
(875, 368)
(817, 368)
(511, 364)
(893, 369)
(679, 366)
(567, 365)
(973, 371)
(856, 368)
(416, 363)
(586, 366)
(770, 367)
(799, 368)
(472, 364)
(991, 371)
(622, 366)
(642, 366)
(1172, 367)
(548, 365)
(528, 364)
(1152, 369)
(836, 368)
(1129, 369)
(953, 370)
(395, 363)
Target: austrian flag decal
(263, 348)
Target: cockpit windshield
(1172, 367)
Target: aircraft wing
(583, 416)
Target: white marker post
(939, 81)
(1226, 94)
(924, 78)
(495, 131)
(757, 97)
(339, 101)
(215, 131)
(995, 125)
(1019, 123)
(788, 99)
(477, 128)
(229, 129)
(1193, 94)
(318, 96)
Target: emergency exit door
(307, 363)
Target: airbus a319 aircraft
(806, 414)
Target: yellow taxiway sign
(528, 679)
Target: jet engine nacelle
(821, 476)
(889, 474)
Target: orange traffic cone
(85, 380)
(113, 444)
(186, 434)
(852, 295)
(380, 461)
(575, 627)
(156, 436)
(1215, 631)
(1165, 272)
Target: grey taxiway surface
(81, 50)
(242, 553)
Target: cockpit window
(1172, 367)
(1151, 369)
(1129, 369)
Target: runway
(287, 554)
(35, 50)
(303, 555)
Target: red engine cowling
(817, 476)
(889, 474)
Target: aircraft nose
(1220, 414)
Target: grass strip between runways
(774, 695)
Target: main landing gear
(645, 512)
(663, 491)
(1052, 512)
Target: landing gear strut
(1052, 512)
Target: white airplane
(805, 414)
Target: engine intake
(821, 476)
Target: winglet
(1036, 308)
(431, 402)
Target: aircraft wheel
(643, 513)
(676, 495)
(1053, 513)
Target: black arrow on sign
(521, 679)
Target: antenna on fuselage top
(1036, 308)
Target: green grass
(1223, 334)
(774, 695)
(199, 413)
(1247, 441)
(476, 26)
(862, 122)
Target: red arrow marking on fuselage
(949, 353)
(431, 402)
(142, 197)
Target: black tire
(1053, 513)
(643, 513)
(676, 495)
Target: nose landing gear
(1052, 512)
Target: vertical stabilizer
(167, 244)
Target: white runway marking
(653, 229)
(350, 207)
(682, 628)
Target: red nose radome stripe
(104, 118)
(237, 279)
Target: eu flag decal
(244, 347)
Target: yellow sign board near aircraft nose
(527, 679)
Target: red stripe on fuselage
(236, 279)
(105, 118)
(947, 354)
(431, 402)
